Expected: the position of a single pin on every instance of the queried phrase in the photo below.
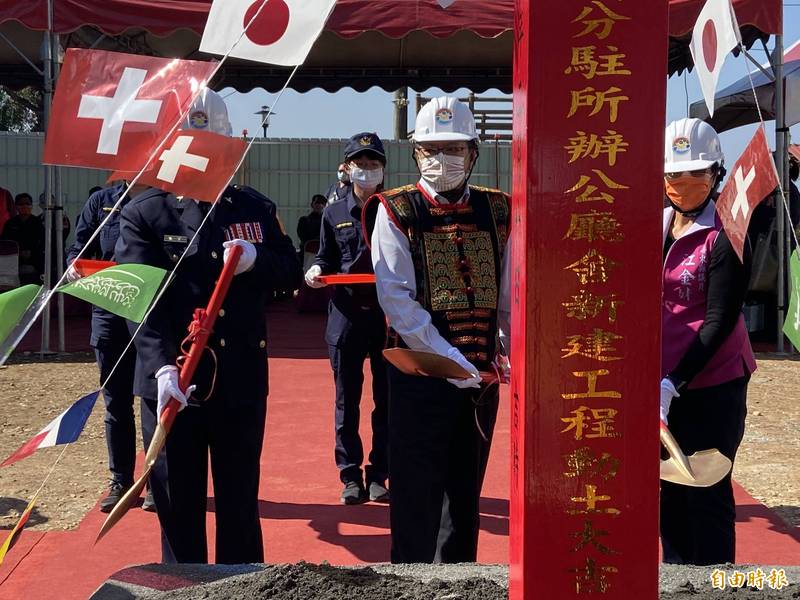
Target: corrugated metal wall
(289, 171)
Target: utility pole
(401, 114)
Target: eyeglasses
(700, 173)
(451, 150)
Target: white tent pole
(48, 176)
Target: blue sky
(318, 114)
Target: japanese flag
(715, 34)
(279, 32)
(752, 179)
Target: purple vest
(683, 305)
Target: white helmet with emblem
(691, 145)
(445, 119)
(209, 113)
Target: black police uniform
(156, 229)
(110, 336)
(356, 330)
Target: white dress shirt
(397, 286)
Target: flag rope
(784, 202)
(7, 347)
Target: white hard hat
(209, 113)
(445, 119)
(691, 145)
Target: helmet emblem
(444, 116)
(681, 145)
(366, 140)
(198, 120)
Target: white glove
(474, 381)
(668, 392)
(248, 257)
(312, 277)
(168, 387)
(72, 275)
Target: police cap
(364, 142)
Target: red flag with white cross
(194, 163)
(111, 110)
(752, 179)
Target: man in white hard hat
(706, 355)
(225, 418)
(441, 262)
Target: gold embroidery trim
(470, 339)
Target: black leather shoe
(115, 493)
(378, 493)
(353, 493)
(149, 504)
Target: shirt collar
(439, 198)
(705, 220)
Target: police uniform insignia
(198, 119)
(444, 116)
(176, 239)
(366, 140)
(343, 225)
(108, 209)
(681, 145)
(249, 232)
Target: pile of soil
(323, 582)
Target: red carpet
(301, 516)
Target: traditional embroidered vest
(457, 252)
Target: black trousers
(435, 452)
(360, 340)
(120, 425)
(229, 427)
(698, 524)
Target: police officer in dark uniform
(356, 325)
(228, 411)
(110, 338)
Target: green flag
(791, 327)
(13, 305)
(125, 290)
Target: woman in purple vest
(706, 354)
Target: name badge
(343, 225)
(176, 239)
(249, 232)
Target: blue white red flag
(64, 429)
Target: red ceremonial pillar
(589, 105)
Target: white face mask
(443, 172)
(366, 178)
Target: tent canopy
(366, 42)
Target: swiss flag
(278, 32)
(715, 34)
(752, 179)
(194, 163)
(111, 110)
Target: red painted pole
(589, 104)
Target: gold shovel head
(708, 466)
(426, 364)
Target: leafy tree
(20, 111)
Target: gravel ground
(412, 582)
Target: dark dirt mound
(322, 582)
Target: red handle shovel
(192, 360)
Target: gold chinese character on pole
(584, 463)
(594, 226)
(589, 536)
(590, 500)
(586, 62)
(597, 345)
(587, 195)
(587, 305)
(591, 145)
(597, 100)
(591, 423)
(591, 385)
(598, 19)
(591, 578)
(593, 267)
